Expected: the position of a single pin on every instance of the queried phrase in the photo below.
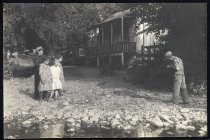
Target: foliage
(186, 26)
(26, 25)
(13, 16)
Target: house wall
(117, 34)
(107, 33)
(143, 38)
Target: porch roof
(113, 17)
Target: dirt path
(88, 95)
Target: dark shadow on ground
(27, 92)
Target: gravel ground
(90, 95)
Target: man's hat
(167, 55)
(39, 48)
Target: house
(115, 40)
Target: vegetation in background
(27, 25)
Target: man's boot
(184, 95)
(175, 100)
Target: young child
(45, 84)
(58, 78)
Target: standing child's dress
(62, 76)
(46, 80)
(56, 71)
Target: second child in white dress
(57, 75)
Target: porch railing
(116, 47)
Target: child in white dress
(57, 75)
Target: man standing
(179, 85)
(37, 61)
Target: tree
(186, 25)
(27, 25)
(13, 16)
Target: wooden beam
(122, 29)
(102, 34)
(111, 33)
(143, 36)
(98, 63)
(122, 60)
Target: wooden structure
(75, 48)
(116, 36)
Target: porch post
(122, 54)
(111, 33)
(102, 28)
(87, 61)
(110, 59)
(122, 29)
(122, 60)
(143, 36)
(98, 63)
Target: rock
(60, 114)
(117, 116)
(49, 117)
(89, 122)
(184, 122)
(165, 110)
(65, 103)
(77, 125)
(204, 129)
(27, 123)
(127, 127)
(128, 117)
(16, 136)
(181, 127)
(146, 116)
(175, 119)
(166, 124)
(157, 132)
(102, 118)
(179, 117)
(114, 123)
(147, 125)
(72, 129)
(11, 137)
(40, 118)
(105, 127)
(70, 120)
(85, 119)
(140, 133)
(184, 110)
(108, 95)
(201, 133)
(164, 117)
(94, 119)
(45, 126)
(133, 123)
(78, 120)
(103, 123)
(109, 118)
(171, 125)
(192, 128)
(170, 133)
(156, 122)
(25, 113)
(135, 119)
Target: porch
(112, 48)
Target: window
(81, 52)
